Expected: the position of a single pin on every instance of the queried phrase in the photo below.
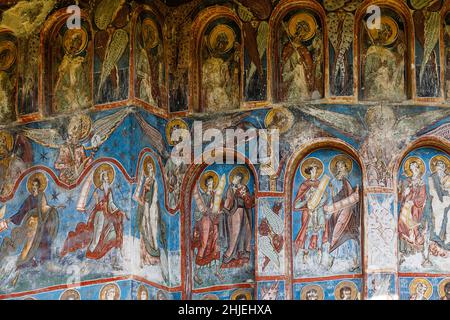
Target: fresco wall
(93, 206)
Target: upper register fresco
(93, 206)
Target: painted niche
(383, 58)
(299, 57)
(222, 233)
(326, 217)
(221, 54)
(423, 204)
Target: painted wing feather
(104, 127)
(410, 125)
(49, 138)
(155, 137)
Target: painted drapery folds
(8, 76)
(221, 66)
(383, 59)
(299, 57)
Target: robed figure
(237, 221)
(104, 229)
(310, 200)
(36, 226)
(206, 228)
(412, 201)
(344, 214)
(150, 225)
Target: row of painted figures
(232, 71)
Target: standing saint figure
(104, 228)
(36, 228)
(310, 200)
(237, 219)
(221, 70)
(412, 202)
(150, 225)
(383, 63)
(72, 87)
(206, 228)
(439, 186)
(344, 221)
(300, 65)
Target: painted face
(421, 289)
(143, 295)
(440, 166)
(35, 187)
(313, 172)
(237, 180)
(210, 184)
(346, 294)
(271, 294)
(302, 30)
(105, 177)
(414, 167)
(341, 169)
(447, 290)
(312, 295)
(151, 173)
(73, 130)
(111, 294)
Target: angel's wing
(116, 49)
(268, 250)
(431, 38)
(441, 131)
(104, 127)
(226, 121)
(407, 126)
(346, 124)
(155, 137)
(49, 138)
(275, 221)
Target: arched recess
(307, 270)
(422, 183)
(216, 75)
(66, 83)
(292, 79)
(149, 80)
(384, 59)
(8, 76)
(239, 272)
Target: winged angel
(82, 135)
(382, 134)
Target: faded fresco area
(93, 205)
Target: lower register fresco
(93, 207)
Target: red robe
(84, 233)
(301, 236)
(418, 195)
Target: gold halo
(240, 169)
(408, 163)
(171, 125)
(416, 281)
(70, 292)
(309, 19)
(42, 179)
(273, 116)
(149, 32)
(246, 293)
(385, 20)
(441, 287)
(343, 284)
(439, 158)
(84, 123)
(309, 287)
(10, 55)
(218, 30)
(106, 288)
(5, 135)
(307, 163)
(210, 296)
(70, 34)
(207, 175)
(145, 163)
(139, 291)
(104, 167)
(341, 157)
